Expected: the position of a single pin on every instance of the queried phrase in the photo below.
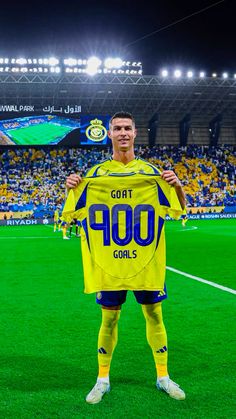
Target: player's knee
(111, 318)
(152, 312)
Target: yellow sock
(64, 229)
(107, 340)
(156, 336)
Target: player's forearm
(181, 195)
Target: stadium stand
(32, 181)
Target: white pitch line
(189, 228)
(36, 237)
(196, 278)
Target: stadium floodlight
(214, 75)
(235, 76)
(225, 75)
(21, 61)
(80, 62)
(24, 69)
(92, 66)
(91, 71)
(93, 62)
(202, 74)
(113, 62)
(118, 62)
(1, 60)
(6, 60)
(164, 73)
(70, 62)
(35, 61)
(52, 61)
(177, 73)
(190, 74)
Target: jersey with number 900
(123, 242)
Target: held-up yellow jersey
(122, 210)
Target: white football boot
(97, 392)
(171, 388)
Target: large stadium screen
(51, 130)
(38, 130)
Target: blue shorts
(116, 298)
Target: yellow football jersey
(122, 209)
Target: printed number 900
(110, 228)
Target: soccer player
(77, 227)
(64, 227)
(184, 220)
(56, 220)
(122, 133)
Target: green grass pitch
(48, 339)
(40, 134)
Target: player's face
(122, 134)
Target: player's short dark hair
(122, 114)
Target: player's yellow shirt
(113, 166)
(122, 213)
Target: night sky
(80, 29)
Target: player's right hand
(73, 181)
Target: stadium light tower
(113, 63)
(225, 75)
(177, 73)
(52, 61)
(190, 74)
(70, 62)
(21, 61)
(164, 73)
(92, 65)
(202, 74)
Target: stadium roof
(172, 98)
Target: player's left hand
(170, 177)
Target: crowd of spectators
(34, 179)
